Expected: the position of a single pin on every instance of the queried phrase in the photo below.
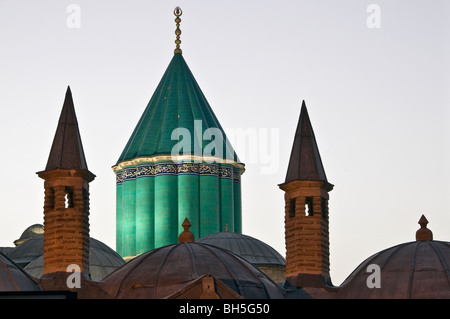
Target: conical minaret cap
(305, 162)
(67, 150)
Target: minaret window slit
(68, 198)
(292, 208)
(309, 206)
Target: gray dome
(161, 272)
(418, 269)
(251, 249)
(27, 251)
(102, 259)
(256, 252)
(30, 232)
(12, 278)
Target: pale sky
(375, 76)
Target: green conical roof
(178, 102)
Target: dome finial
(186, 235)
(177, 12)
(423, 233)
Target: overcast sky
(374, 75)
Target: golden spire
(177, 12)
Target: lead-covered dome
(29, 256)
(411, 270)
(12, 278)
(31, 232)
(178, 102)
(164, 271)
(255, 251)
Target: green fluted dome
(178, 102)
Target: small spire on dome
(186, 236)
(226, 228)
(423, 233)
(177, 12)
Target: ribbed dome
(102, 259)
(251, 249)
(164, 271)
(27, 251)
(417, 269)
(12, 278)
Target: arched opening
(309, 206)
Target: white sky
(378, 99)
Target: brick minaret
(306, 211)
(66, 206)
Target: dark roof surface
(12, 278)
(164, 271)
(67, 150)
(102, 259)
(418, 269)
(305, 162)
(27, 251)
(251, 249)
(30, 232)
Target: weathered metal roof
(30, 232)
(162, 272)
(251, 249)
(12, 278)
(102, 259)
(27, 251)
(67, 150)
(418, 269)
(305, 162)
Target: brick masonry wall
(66, 224)
(306, 237)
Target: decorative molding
(170, 168)
(179, 159)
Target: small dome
(30, 232)
(12, 278)
(102, 259)
(256, 252)
(164, 271)
(411, 270)
(407, 271)
(27, 251)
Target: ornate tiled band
(177, 159)
(156, 169)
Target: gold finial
(177, 12)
